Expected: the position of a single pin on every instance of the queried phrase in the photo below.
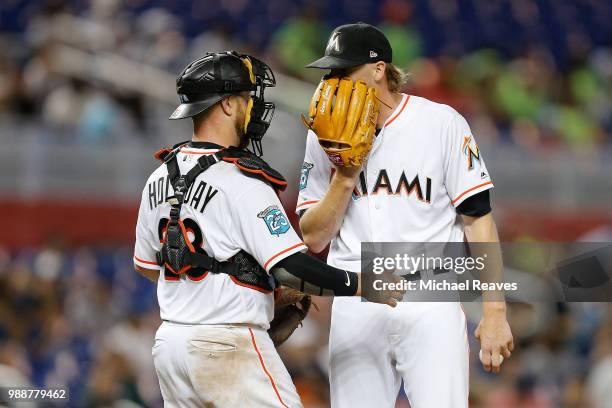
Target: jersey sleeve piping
(279, 256)
(146, 264)
(471, 191)
(306, 204)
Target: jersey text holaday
(159, 190)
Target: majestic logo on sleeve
(470, 149)
(306, 167)
(275, 220)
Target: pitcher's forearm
(483, 238)
(321, 222)
(495, 308)
(493, 300)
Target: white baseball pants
(220, 366)
(373, 347)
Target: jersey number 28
(195, 235)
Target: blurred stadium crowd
(534, 74)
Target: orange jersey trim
(398, 113)
(207, 151)
(282, 252)
(145, 262)
(306, 203)
(142, 268)
(470, 189)
(263, 366)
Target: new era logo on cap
(373, 54)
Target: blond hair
(396, 78)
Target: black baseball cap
(355, 44)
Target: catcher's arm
(311, 276)
(150, 274)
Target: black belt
(418, 274)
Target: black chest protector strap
(178, 254)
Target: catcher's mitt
(343, 115)
(290, 308)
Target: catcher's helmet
(218, 75)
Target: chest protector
(177, 253)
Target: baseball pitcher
(380, 166)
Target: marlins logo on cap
(356, 44)
(333, 44)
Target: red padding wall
(32, 223)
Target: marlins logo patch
(470, 149)
(275, 220)
(304, 174)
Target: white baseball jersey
(224, 212)
(423, 164)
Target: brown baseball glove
(290, 308)
(343, 115)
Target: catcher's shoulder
(226, 177)
(241, 178)
(160, 172)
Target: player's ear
(228, 106)
(379, 71)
